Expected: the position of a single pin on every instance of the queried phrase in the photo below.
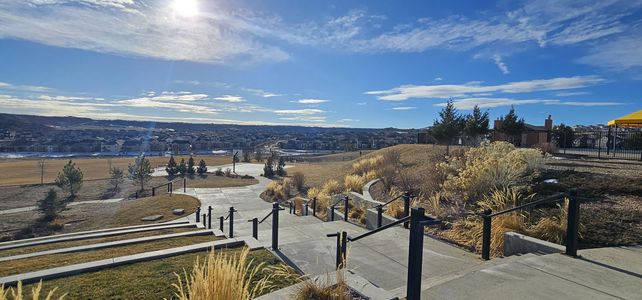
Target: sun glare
(185, 8)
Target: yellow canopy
(634, 119)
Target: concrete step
(551, 276)
(91, 235)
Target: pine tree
(450, 124)
(190, 166)
(247, 156)
(182, 167)
(116, 177)
(476, 124)
(172, 168)
(70, 179)
(512, 126)
(280, 169)
(268, 169)
(258, 156)
(50, 205)
(202, 167)
(140, 172)
(563, 136)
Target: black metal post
(573, 224)
(255, 228)
(275, 226)
(306, 209)
(153, 191)
(486, 234)
(346, 208)
(204, 215)
(221, 221)
(171, 188)
(406, 207)
(564, 142)
(344, 249)
(209, 217)
(379, 215)
(231, 235)
(332, 213)
(337, 263)
(314, 206)
(415, 254)
(168, 186)
(198, 214)
(184, 185)
(599, 145)
(290, 203)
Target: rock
(178, 211)
(152, 218)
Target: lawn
(145, 280)
(18, 266)
(27, 171)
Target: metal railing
(406, 208)
(571, 229)
(418, 220)
(221, 221)
(616, 142)
(275, 225)
(346, 208)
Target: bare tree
(41, 165)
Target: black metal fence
(621, 143)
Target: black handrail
(395, 223)
(265, 218)
(384, 205)
(556, 197)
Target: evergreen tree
(50, 205)
(280, 168)
(258, 156)
(449, 126)
(182, 167)
(140, 172)
(116, 177)
(512, 126)
(202, 167)
(247, 156)
(172, 167)
(476, 124)
(190, 166)
(70, 179)
(563, 136)
(268, 169)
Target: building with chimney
(531, 136)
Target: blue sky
(320, 63)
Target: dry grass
(354, 183)
(222, 276)
(211, 181)
(63, 259)
(317, 173)
(312, 289)
(26, 171)
(18, 294)
(131, 211)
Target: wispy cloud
(306, 111)
(262, 93)
(470, 103)
(229, 98)
(404, 108)
(23, 88)
(500, 64)
(311, 101)
(347, 120)
(406, 92)
(305, 118)
(568, 94)
(622, 54)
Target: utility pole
(234, 158)
(41, 164)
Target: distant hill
(20, 122)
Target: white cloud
(438, 79)
(311, 101)
(307, 111)
(500, 64)
(262, 93)
(361, 103)
(230, 98)
(624, 53)
(347, 120)
(406, 92)
(568, 94)
(404, 108)
(305, 118)
(470, 103)
(23, 88)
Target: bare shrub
(313, 289)
(354, 183)
(298, 180)
(274, 190)
(331, 187)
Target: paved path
(30, 208)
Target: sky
(366, 64)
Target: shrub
(219, 172)
(274, 190)
(315, 289)
(366, 164)
(370, 175)
(140, 172)
(331, 187)
(354, 183)
(287, 187)
(202, 168)
(18, 294)
(50, 205)
(323, 200)
(70, 179)
(116, 177)
(298, 180)
(228, 172)
(222, 276)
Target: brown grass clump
(365, 165)
(312, 289)
(354, 183)
(222, 277)
(17, 293)
(469, 231)
(331, 187)
(275, 190)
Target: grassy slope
(147, 280)
(26, 171)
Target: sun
(185, 8)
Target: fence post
(486, 234)
(153, 191)
(332, 213)
(306, 209)
(275, 226)
(564, 142)
(344, 249)
(221, 220)
(170, 187)
(379, 215)
(255, 228)
(198, 214)
(231, 222)
(346, 208)
(204, 216)
(290, 203)
(406, 207)
(415, 254)
(209, 217)
(573, 224)
(184, 185)
(314, 206)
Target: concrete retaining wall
(371, 219)
(515, 243)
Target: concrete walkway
(30, 208)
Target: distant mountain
(20, 122)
